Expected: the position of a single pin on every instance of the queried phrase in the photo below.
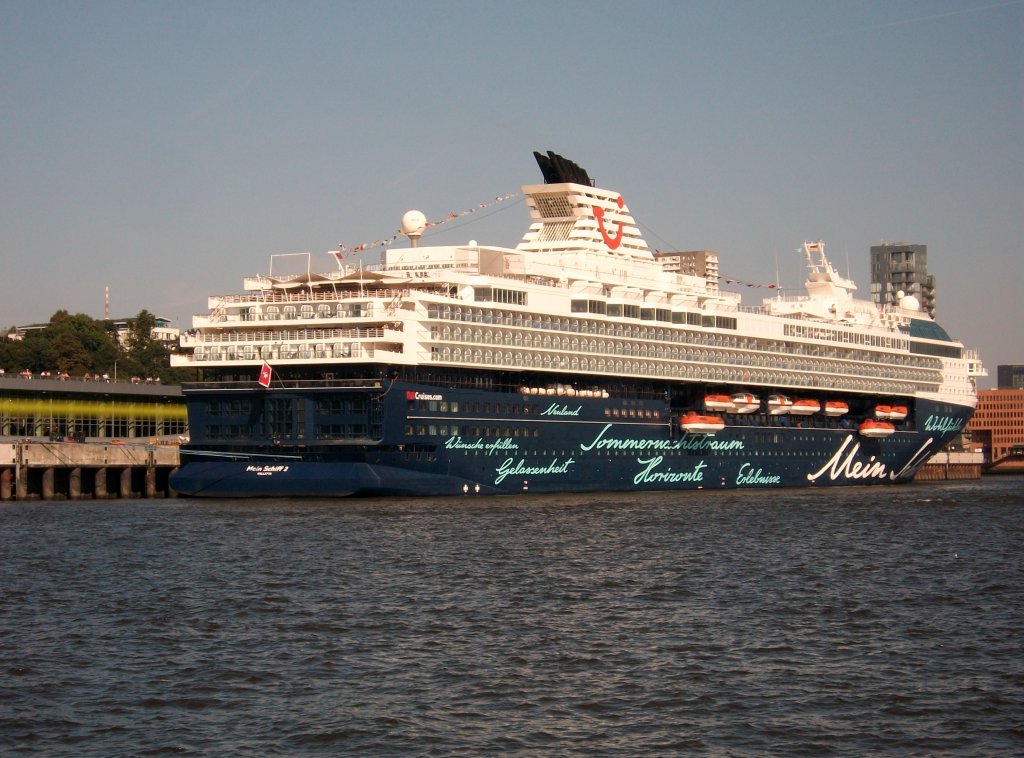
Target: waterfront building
(901, 267)
(1010, 377)
(700, 263)
(77, 409)
(998, 425)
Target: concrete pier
(39, 470)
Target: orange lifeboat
(882, 411)
(836, 408)
(897, 412)
(695, 423)
(744, 402)
(718, 403)
(779, 404)
(871, 428)
(805, 407)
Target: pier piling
(43, 470)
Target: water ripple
(795, 623)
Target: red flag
(265, 374)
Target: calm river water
(843, 622)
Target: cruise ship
(580, 360)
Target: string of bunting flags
(339, 254)
(730, 280)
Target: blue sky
(167, 149)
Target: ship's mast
(823, 276)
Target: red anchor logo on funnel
(611, 242)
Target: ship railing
(754, 374)
(678, 354)
(318, 294)
(524, 328)
(367, 383)
(288, 351)
(791, 375)
(367, 310)
(782, 371)
(269, 336)
(416, 270)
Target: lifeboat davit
(718, 403)
(871, 428)
(805, 407)
(836, 408)
(744, 402)
(897, 412)
(779, 404)
(695, 423)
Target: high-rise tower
(901, 267)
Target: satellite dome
(910, 303)
(413, 223)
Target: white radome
(413, 222)
(910, 303)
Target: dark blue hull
(422, 440)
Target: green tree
(13, 356)
(140, 333)
(147, 356)
(81, 344)
(71, 357)
(99, 342)
(40, 354)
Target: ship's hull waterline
(569, 445)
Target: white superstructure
(580, 295)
